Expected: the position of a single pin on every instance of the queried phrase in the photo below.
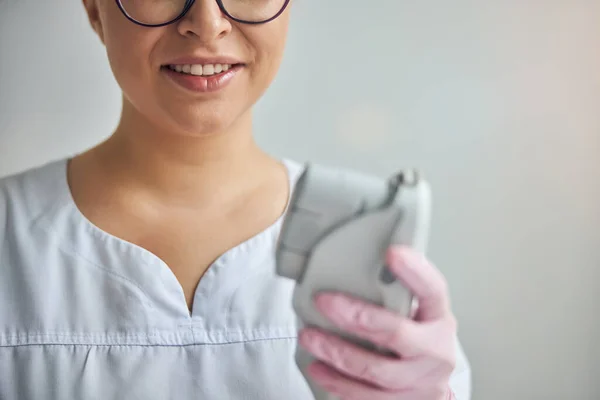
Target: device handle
(414, 198)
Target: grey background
(497, 101)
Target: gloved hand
(425, 345)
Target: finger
(345, 388)
(424, 280)
(376, 324)
(353, 361)
(377, 370)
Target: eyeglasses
(155, 13)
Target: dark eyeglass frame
(188, 6)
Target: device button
(386, 276)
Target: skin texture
(180, 161)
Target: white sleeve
(460, 381)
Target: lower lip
(203, 84)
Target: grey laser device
(335, 234)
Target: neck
(185, 169)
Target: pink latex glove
(425, 345)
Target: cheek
(129, 48)
(269, 45)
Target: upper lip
(193, 60)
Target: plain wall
(497, 101)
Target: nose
(205, 21)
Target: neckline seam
(65, 201)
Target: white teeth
(196, 70)
(209, 69)
(201, 70)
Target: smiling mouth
(201, 70)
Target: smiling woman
(191, 34)
(144, 266)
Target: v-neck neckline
(221, 277)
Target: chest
(68, 277)
(190, 244)
(189, 240)
(190, 251)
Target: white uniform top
(85, 315)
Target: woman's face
(146, 61)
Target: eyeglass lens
(157, 12)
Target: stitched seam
(71, 251)
(154, 332)
(145, 345)
(148, 338)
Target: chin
(190, 118)
(200, 125)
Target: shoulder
(295, 170)
(27, 194)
